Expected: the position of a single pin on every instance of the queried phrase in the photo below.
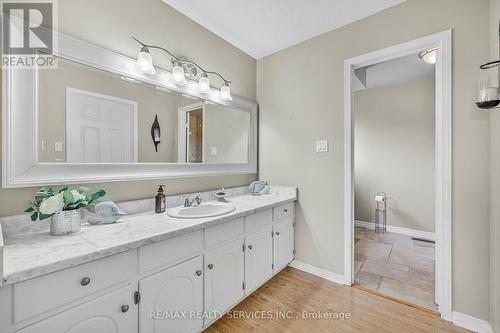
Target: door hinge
(243, 284)
(243, 247)
(272, 234)
(294, 251)
(294, 224)
(272, 266)
(137, 297)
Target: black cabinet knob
(198, 272)
(210, 266)
(277, 233)
(124, 308)
(250, 247)
(85, 281)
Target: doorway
(191, 133)
(442, 174)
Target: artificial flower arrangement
(49, 202)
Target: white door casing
(100, 128)
(443, 140)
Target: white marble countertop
(30, 256)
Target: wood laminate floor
(299, 298)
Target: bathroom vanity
(147, 273)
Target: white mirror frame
(20, 138)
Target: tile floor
(395, 265)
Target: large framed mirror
(95, 119)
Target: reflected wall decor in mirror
(91, 120)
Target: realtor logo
(28, 34)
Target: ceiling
(263, 27)
(392, 72)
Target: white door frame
(182, 140)
(443, 162)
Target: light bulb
(144, 63)
(225, 92)
(429, 56)
(178, 74)
(204, 83)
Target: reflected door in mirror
(194, 133)
(101, 128)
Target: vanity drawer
(50, 291)
(223, 232)
(258, 220)
(283, 211)
(170, 250)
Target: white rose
(77, 196)
(52, 205)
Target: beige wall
(228, 131)
(394, 153)
(495, 183)
(300, 93)
(110, 24)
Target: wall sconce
(429, 56)
(181, 69)
(156, 132)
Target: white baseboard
(398, 230)
(471, 323)
(322, 273)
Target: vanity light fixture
(181, 69)
(429, 56)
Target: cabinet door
(283, 242)
(258, 258)
(224, 276)
(171, 299)
(112, 313)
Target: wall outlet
(322, 146)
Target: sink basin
(209, 209)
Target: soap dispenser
(160, 200)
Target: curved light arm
(180, 59)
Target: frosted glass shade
(225, 93)
(204, 84)
(178, 74)
(144, 63)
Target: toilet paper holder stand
(381, 212)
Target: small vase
(66, 222)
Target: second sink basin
(209, 209)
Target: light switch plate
(322, 146)
(58, 146)
(213, 151)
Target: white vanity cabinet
(175, 285)
(171, 299)
(112, 313)
(224, 277)
(258, 258)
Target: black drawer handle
(85, 281)
(125, 308)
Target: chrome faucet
(195, 202)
